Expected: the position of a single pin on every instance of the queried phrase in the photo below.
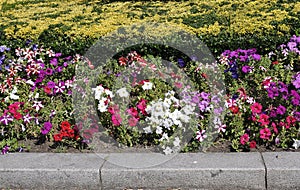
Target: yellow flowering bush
(23, 18)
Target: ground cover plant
(260, 60)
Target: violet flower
(5, 149)
(53, 62)
(51, 84)
(46, 128)
(246, 69)
(280, 110)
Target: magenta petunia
(46, 128)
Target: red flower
(47, 90)
(57, 137)
(252, 144)
(290, 120)
(17, 115)
(65, 125)
(275, 62)
(234, 109)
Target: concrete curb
(271, 170)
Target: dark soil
(33, 145)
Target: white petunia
(30, 82)
(108, 92)
(102, 107)
(164, 137)
(176, 141)
(159, 130)
(184, 118)
(122, 92)
(147, 130)
(147, 86)
(296, 144)
(167, 150)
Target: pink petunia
(133, 121)
(256, 108)
(116, 119)
(263, 119)
(265, 133)
(244, 139)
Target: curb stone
(276, 170)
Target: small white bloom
(36, 95)
(23, 127)
(167, 103)
(176, 141)
(30, 82)
(188, 109)
(122, 92)
(164, 137)
(13, 96)
(108, 92)
(168, 150)
(159, 130)
(102, 107)
(147, 130)
(184, 118)
(250, 100)
(296, 144)
(147, 86)
(167, 123)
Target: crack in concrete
(266, 171)
(100, 174)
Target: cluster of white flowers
(164, 114)
(104, 96)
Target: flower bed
(260, 108)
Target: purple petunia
(59, 69)
(256, 57)
(280, 110)
(53, 61)
(49, 71)
(51, 84)
(297, 115)
(5, 149)
(46, 128)
(296, 83)
(246, 69)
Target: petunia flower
(60, 87)
(265, 133)
(46, 128)
(244, 139)
(5, 119)
(37, 105)
(201, 135)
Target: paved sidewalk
(276, 170)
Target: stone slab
(185, 171)
(283, 170)
(50, 171)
